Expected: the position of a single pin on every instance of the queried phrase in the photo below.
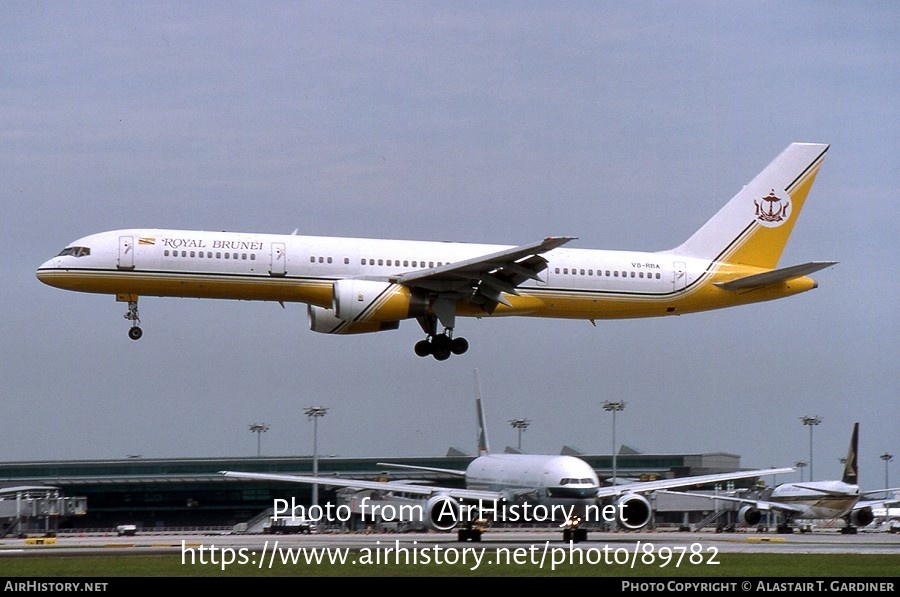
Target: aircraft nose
(43, 272)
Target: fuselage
(565, 485)
(819, 499)
(577, 284)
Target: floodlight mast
(614, 407)
(812, 422)
(259, 429)
(520, 425)
(314, 413)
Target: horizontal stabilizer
(775, 276)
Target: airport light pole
(800, 465)
(812, 422)
(519, 425)
(314, 413)
(614, 407)
(258, 429)
(887, 458)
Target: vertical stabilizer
(483, 447)
(754, 226)
(851, 468)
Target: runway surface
(702, 542)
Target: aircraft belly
(567, 304)
(262, 288)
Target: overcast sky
(626, 125)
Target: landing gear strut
(442, 345)
(135, 332)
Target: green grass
(730, 565)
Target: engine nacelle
(372, 300)
(323, 321)
(633, 511)
(861, 517)
(749, 515)
(442, 513)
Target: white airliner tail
(754, 226)
(483, 445)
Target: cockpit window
(75, 252)
(573, 481)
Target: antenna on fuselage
(483, 447)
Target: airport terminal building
(190, 493)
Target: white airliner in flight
(522, 488)
(814, 500)
(359, 285)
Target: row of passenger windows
(387, 262)
(609, 274)
(417, 263)
(210, 255)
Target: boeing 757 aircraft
(360, 285)
(522, 488)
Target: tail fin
(753, 228)
(851, 468)
(483, 447)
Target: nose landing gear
(135, 332)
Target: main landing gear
(135, 332)
(442, 345)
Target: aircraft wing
(483, 279)
(884, 491)
(775, 276)
(687, 482)
(429, 469)
(423, 490)
(762, 505)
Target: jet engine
(861, 517)
(322, 320)
(633, 511)
(749, 515)
(372, 300)
(442, 513)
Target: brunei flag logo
(146, 240)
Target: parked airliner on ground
(358, 285)
(522, 488)
(814, 500)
